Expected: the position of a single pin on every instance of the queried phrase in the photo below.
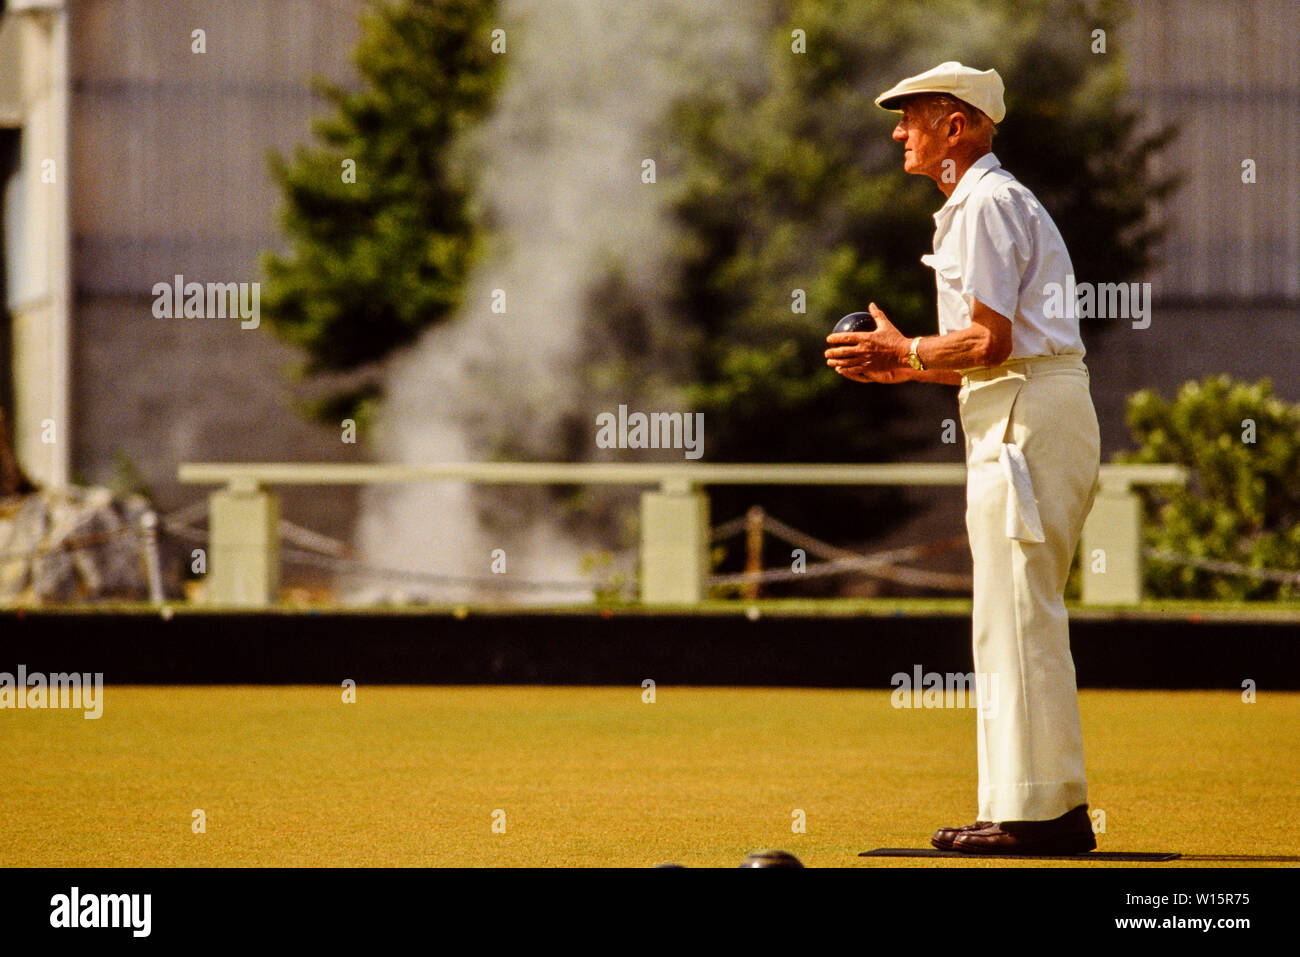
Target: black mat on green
(1149, 857)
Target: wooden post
(753, 550)
(13, 480)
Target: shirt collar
(968, 180)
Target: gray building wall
(171, 177)
(1228, 73)
(1227, 287)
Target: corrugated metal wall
(1228, 73)
(170, 175)
(170, 146)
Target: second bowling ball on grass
(855, 322)
(771, 858)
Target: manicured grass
(292, 776)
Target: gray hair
(938, 106)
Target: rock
(72, 544)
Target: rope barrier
(318, 550)
(839, 561)
(727, 529)
(1224, 568)
(903, 576)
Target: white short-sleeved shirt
(994, 241)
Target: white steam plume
(561, 164)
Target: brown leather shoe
(1071, 833)
(943, 837)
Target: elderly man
(1032, 453)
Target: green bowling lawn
(293, 776)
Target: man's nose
(899, 133)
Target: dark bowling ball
(856, 322)
(771, 859)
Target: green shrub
(1242, 501)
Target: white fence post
(244, 538)
(674, 547)
(1112, 560)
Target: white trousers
(1032, 454)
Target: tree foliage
(1242, 504)
(377, 260)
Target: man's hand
(867, 356)
(886, 378)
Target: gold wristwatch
(914, 360)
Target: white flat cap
(981, 89)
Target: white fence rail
(244, 547)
